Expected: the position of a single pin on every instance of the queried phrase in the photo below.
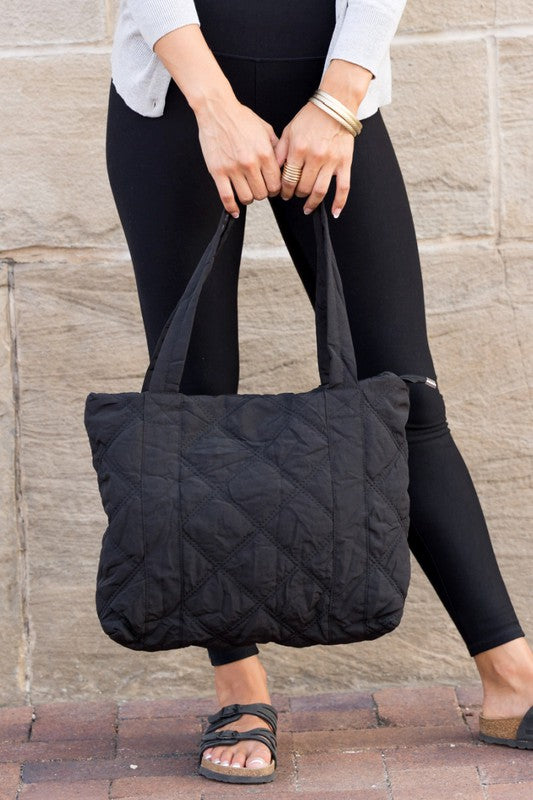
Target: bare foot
(507, 676)
(242, 681)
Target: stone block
(55, 190)
(435, 17)
(510, 791)
(461, 276)
(433, 783)
(94, 769)
(57, 23)
(509, 11)
(88, 790)
(440, 128)
(15, 723)
(347, 771)
(157, 787)
(384, 737)
(515, 101)
(276, 328)
(158, 736)
(418, 707)
(9, 781)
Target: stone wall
(461, 122)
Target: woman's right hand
(238, 148)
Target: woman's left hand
(323, 147)
(321, 144)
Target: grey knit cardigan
(362, 35)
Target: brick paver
(402, 743)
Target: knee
(427, 413)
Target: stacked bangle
(337, 110)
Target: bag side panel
(115, 428)
(386, 409)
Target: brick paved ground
(394, 744)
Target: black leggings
(273, 55)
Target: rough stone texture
(13, 651)
(420, 15)
(442, 136)
(513, 11)
(55, 190)
(26, 22)
(516, 101)
(460, 122)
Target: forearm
(360, 47)
(346, 81)
(187, 57)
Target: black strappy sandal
(211, 737)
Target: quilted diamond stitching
(118, 471)
(259, 603)
(386, 573)
(277, 400)
(112, 513)
(364, 398)
(121, 587)
(256, 524)
(246, 466)
(187, 443)
(387, 500)
(125, 425)
(260, 456)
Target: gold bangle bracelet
(340, 108)
(320, 104)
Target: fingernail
(307, 210)
(336, 212)
(235, 214)
(284, 198)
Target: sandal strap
(525, 729)
(230, 737)
(235, 711)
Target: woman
(207, 103)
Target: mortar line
(109, 17)
(48, 255)
(20, 521)
(388, 780)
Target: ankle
(242, 681)
(507, 668)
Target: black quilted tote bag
(244, 518)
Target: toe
(226, 755)
(216, 752)
(259, 757)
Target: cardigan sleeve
(155, 18)
(367, 32)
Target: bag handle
(336, 357)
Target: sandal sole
(521, 744)
(235, 774)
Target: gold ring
(291, 173)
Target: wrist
(202, 99)
(347, 82)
